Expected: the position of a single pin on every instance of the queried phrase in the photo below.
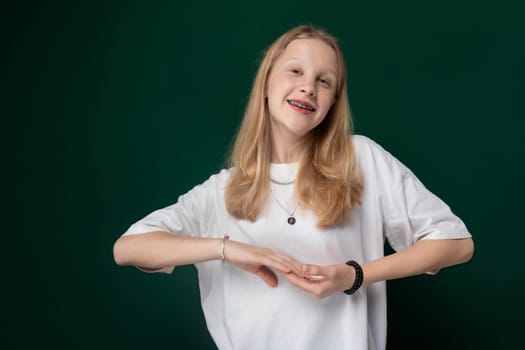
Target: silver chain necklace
(291, 219)
(282, 183)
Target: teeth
(300, 105)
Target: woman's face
(301, 88)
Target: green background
(113, 109)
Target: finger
(313, 272)
(318, 287)
(267, 275)
(282, 265)
(297, 281)
(293, 264)
(315, 277)
(311, 269)
(301, 282)
(313, 288)
(276, 264)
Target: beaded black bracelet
(358, 281)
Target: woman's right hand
(260, 261)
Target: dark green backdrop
(113, 109)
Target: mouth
(301, 106)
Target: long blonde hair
(328, 179)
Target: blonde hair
(328, 179)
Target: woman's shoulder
(371, 154)
(363, 141)
(364, 144)
(219, 179)
(212, 185)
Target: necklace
(282, 183)
(291, 219)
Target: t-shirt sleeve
(179, 218)
(414, 213)
(192, 215)
(410, 211)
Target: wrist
(223, 246)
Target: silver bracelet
(226, 237)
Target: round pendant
(291, 220)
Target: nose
(308, 88)
(308, 91)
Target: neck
(286, 150)
(289, 153)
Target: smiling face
(301, 89)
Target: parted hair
(328, 181)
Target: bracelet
(358, 281)
(226, 237)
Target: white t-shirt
(242, 312)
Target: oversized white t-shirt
(242, 312)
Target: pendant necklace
(291, 219)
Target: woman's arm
(156, 250)
(428, 255)
(424, 256)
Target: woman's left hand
(322, 281)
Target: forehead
(312, 51)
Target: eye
(295, 71)
(324, 82)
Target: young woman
(288, 242)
